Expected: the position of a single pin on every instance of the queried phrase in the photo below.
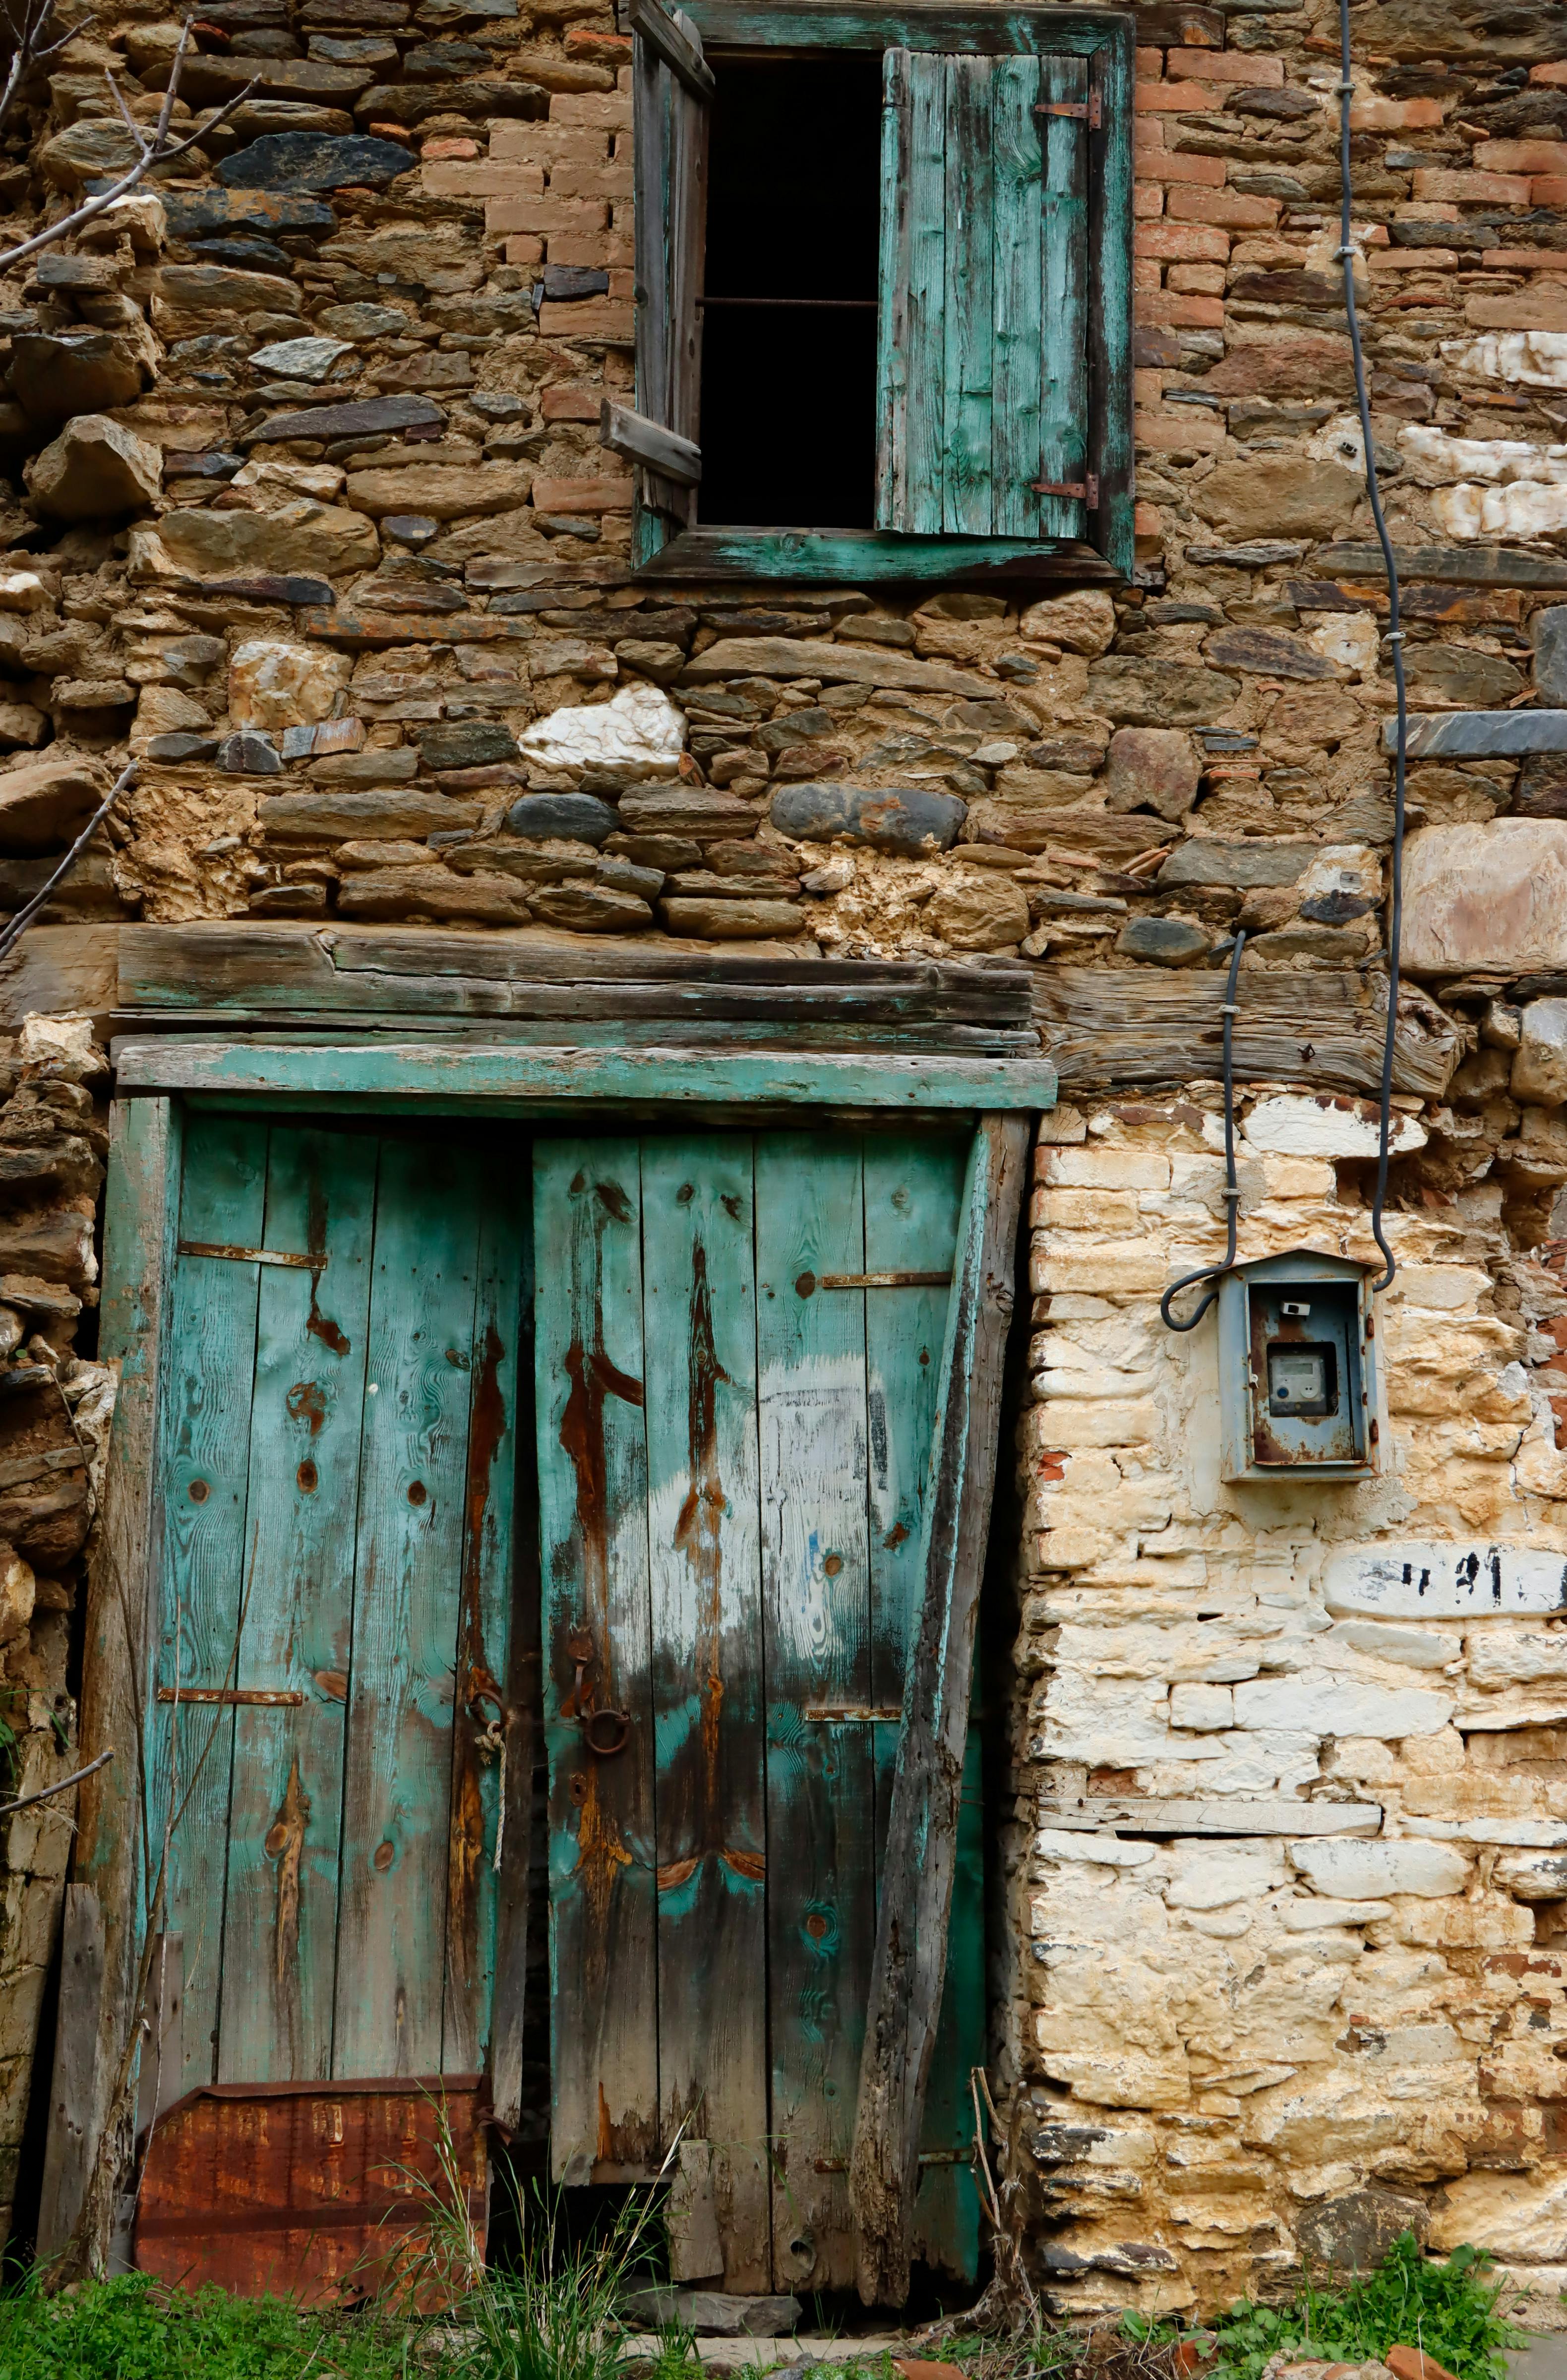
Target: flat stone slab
(1466, 1578)
(1461, 565)
(1478, 734)
(720, 2313)
(789, 657)
(1489, 898)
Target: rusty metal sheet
(302, 2189)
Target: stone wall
(54, 1413)
(307, 511)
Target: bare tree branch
(159, 151)
(24, 918)
(9, 1809)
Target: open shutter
(982, 368)
(671, 90)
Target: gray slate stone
(466, 744)
(1168, 941)
(193, 212)
(1158, 693)
(181, 745)
(249, 753)
(715, 2313)
(1258, 556)
(1204, 859)
(904, 819)
(316, 160)
(574, 818)
(362, 417)
(1479, 734)
(381, 817)
(1549, 631)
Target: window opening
(789, 293)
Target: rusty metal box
(1297, 1369)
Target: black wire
(1395, 638)
(1215, 1274)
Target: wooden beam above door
(550, 1079)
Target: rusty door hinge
(1085, 491)
(1087, 111)
(253, 1256)
(230, 1697)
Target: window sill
(856, 556)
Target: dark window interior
(788, 419)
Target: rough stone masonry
(359, 354)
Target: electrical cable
(1215, 1274)
(1396, 638)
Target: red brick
(1148, 201)
(570, 402)
(623, 286)
(1182, 243)
(1442, 182)
(1174, 166)
(1163, 309)
(604, 495)
(1520, 156)
(1548, 191)
(1524, 260)
(450, 148)
(1148, 522)
(524, 251)
(1254, 70)
(591, 318)
(598, 49)
(1146, 272)
(1174, 98)
(548, 144)
(1150, 65)
(481, 177)
(545, 215)
(603, 251)
(1189, 426)
(607, 110)
(1378, 115)
(1554, 70)
(1412, 259)
(1228, 208)
(1148, 385)
(597, 181)
(1196, 280)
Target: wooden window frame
(1107, 38)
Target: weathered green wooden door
(734, 1423)
(337, 1464)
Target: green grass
(134, 2330)
(1448, 2309)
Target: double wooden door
(738, 1341)
(337, 1472)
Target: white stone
(639, 727)
(1325, 1703)
(273, 483)
(1094, 1850)
(1522, 2216)
(1519, 511)
(1325, 1124)
(1354, 639)
(273, 683)
(1083, 622)
(1533, 358)
(1208, 1876)
(1540, 1063)
(1433, 459)
(1310, 1916)
(1510, 1834)
(1202, 1709)
(1533, 1875)
(62, 1046)
(1516, 1657)
(23, 590)
(1357, 1871)
(1415, 1648)
(300, 358)
(1420, 1579)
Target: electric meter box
(1297, 1369)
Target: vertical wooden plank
(161, 2018)
(279, 1946)
(905, 1998)
(1064, 422)
(893, 295)
(688, 246)
(967, 503)
(593, 1541)
(398, 1766)
(205, 1470)
(1021, 325)
(1111, 73)
(913, 1208)
(519, 1576)
(68, 2144)
(709, 1697)
(141, 1201)
(926, 439)
(479, 1830)
(810, 1368)
(652, 88)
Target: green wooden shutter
(671, 87)
(982, 369)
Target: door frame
(330, 1078)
